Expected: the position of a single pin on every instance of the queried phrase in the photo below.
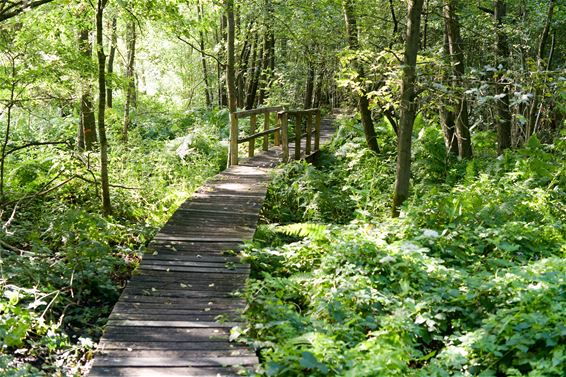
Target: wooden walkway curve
(174, 316)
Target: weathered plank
(164, 372)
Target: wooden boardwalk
(175, 315)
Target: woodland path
(174, 316)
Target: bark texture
(408, 105)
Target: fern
(310, 230)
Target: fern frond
(310, 230)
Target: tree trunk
(533, 110)
(458, 68)
(111, 55)
(207, 91)
(254, 72)
(250, 44)
(310, 85)
(87, 123)
(10, 105)
(408, 106)
(231, 82)
(318, 88)
(363, 102)
(269, 55)
(130, 76)
(447, 117)
(223, 39)
(106, 206)
(503, 117)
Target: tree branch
(34, 144)
(487, 10)
(16, 8)
(201, 51)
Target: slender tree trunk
(87, 123)
(265, 71)
(268, 64)
(222, 79)
(130, 76)
(231, 80)
(503, 120)
(363, 102)
(309, 92)
(253, 76)
(408, 106)
(318, 88)
(242, 73)
(425, 27)
(447, 117)
(8, 123)
(533, 110)
(106, 205)
(207, 91)
(111, 55)
(458, 68)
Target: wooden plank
(167, 324)
(180, 276)
(225, 346)
(171, 237)
(174, 254)
(199, 361)
(197, 263)
(209, 294)
(182, 303)
(198, 247)
(257, 135)
(251, 146)
(266, 125)
(164, 372)
(317, 131)
(298, 131)
(213, 229)
(261, 110)
(206, 270)
(200, 316)
(170, 334)
(228, 221)
(234, 130)
(217, 212)
(308, 142)
(182, 354)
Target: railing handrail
(280, 132)
(258, 111)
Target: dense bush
(470, 281)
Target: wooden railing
(310, 129)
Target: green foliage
(66, 263)
(468, 282)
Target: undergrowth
(469, 281)
(62, 264)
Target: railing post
(309, 136)
(233, 160)
(276, 138)
(265, 128)
(317, 131)
(283, 122)
(298, 121)
(253, 122)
